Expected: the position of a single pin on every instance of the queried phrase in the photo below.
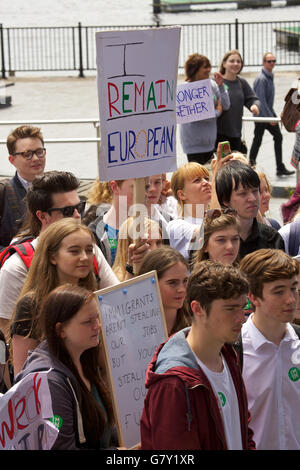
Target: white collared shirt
(272, 379)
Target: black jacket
(261, 236)
(12, 220)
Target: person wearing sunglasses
(51, 197)
(27, 154)
(265, 90)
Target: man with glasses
(264, 89)
(27, 153)
(51, 197)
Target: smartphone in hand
(225, 148)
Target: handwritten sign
(25, 410)
(194, 101)
(137, 79)
(133, 326)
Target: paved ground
(54, 98)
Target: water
(123, 12)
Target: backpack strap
(294, 238)
(25, 251)
(96, 268)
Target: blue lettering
(111, 148)
(170, 138)
(155, 141)
(149, 139)
(131, 143)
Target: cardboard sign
(137, 79)
(194, 101)
(133, 326)
(25, 410)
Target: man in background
(27, 154)
(264, 89)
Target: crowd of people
(228, 375)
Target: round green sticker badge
(222, 398)
(57, 421)
(294, 374)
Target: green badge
(113, 243)
(57, 421)
(294, 374)
(222, 398)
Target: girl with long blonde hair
(64, 254)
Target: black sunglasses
(215, 213)
(68, 211)
(271, 61)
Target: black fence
(73, 48)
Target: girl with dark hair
(172, 273)
(80, 399)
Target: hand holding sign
(137, 76)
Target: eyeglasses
(68, 211)
(271, 61)
(40, 153)
(215, 213)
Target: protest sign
(133, 326)
(194, 101)
(25, 410)
(136, 80)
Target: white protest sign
(25, 410)
(133, 326)
(194, 101)
(136, 80)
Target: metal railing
(94, 122)
(97, 139)
(73, 48)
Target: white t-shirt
(223, 386)
(181, 233)
(13, 274)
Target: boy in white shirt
(271, 350)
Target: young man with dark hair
(238, 187)
(51, 197)
(271, 350)
(27, 154)
(196, 397)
